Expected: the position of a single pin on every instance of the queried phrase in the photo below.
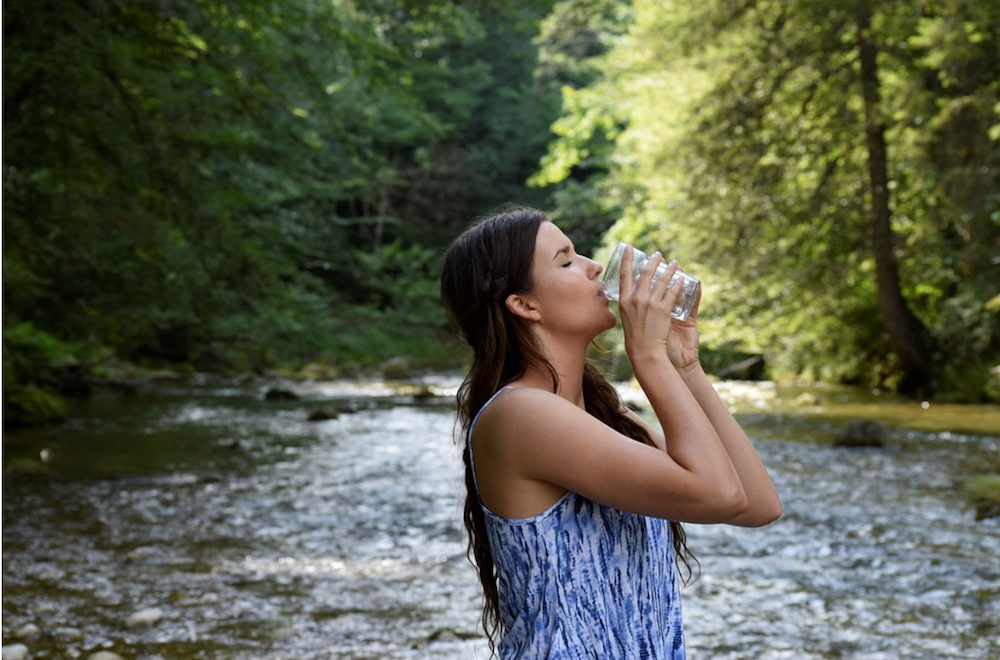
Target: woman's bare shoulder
(516, 401)
(521, 412)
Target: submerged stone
(861, 433)
(324, 413)
(279, 394)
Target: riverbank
(797, 411)
(45, 398)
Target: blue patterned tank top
(584, 580)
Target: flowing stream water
(259, 534)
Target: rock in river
(15, 652)
(861, 433)
(26, 631)
(323, 414)
(104, 655)
(146, 617)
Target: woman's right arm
(694, 441)
(644, 328)
(537, 439)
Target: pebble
(67, 634)
(25, 631)
(104, 655)
(146, 617)
(141, 553)
(14, 652)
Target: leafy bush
(27, 351)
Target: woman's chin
(611, 321)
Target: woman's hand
(645, 310)
(683, 346)
(645, 307)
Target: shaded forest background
(268, 186)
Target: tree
(753, 158)
(212, 182)
(575, 38)
(907, 333)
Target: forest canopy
(831, 168)
(242, 186)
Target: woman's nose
(597, 267)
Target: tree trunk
(907, 334)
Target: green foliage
(37, 367)
(247, 186)
(25, 347)
(379, 335)
(196, 182)
(574, 40)
(403, 279)
(744, 154)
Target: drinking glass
(689, 285)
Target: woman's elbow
(771, 512)
(733, 503)
(761, 514)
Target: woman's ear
(521, 306)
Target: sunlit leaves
(744, 127)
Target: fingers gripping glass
(689, 285)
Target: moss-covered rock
(984, 494)
(25, 469)
(30, 405)
(861, 433)
(280, 394)
(323, 414)
(397, 368)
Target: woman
(567, 513)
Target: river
(255, 533)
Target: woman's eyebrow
(564, 250)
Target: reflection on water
(262, 535)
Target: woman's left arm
(763, 503)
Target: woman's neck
(568, 364)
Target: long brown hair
(488, 262)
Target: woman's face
(568, 293)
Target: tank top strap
(468, 438)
